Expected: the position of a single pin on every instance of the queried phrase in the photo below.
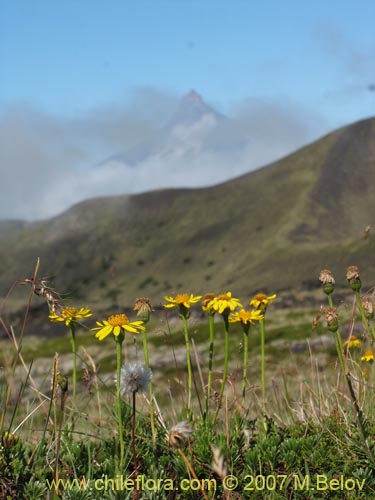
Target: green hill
(271, 230)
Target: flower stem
(151, 394)
(358, 411)
(74, 351)
(191, 470)
(245, 359)
(188, 361)
(226, 361)
(135, 465)
(210, 359)
(330, 301)
(339, 349)
(119, 341)
(262, 351)
(346, 375)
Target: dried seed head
(179, 433)
(332, 319)
(353, 277)
(143, 307)
(327, 280)
(352, 273)
(218, 464)
(134, 378)
(368, 307)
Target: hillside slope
(272, 229)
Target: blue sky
(74, 55)
(67, 61)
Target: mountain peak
(193, 96)
(191, 109)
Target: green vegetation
(269, 398)
(302, 429)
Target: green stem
(74, 351)
(135, 464)
(226, 361)
(210, 359)
(262, 352)
(330, 301)
(151, 395)
(145, 349)
(119, 341)
(245, 358)
(188, 361)
(226, 355)
(339, 349)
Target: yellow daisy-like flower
(182, 300)
(206, 301)
(368, 356)
(352, 342)
(116, 324)
(246, 317)
(224, 303)
(70, 315)
(261, 301)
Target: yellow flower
(70, 315)
(206, 301)
(246, 317)
(368, 356)
(352, 342)
(261, 301)
(116, 324)
(182, 300)
(224, 303)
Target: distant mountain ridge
(192, 112)
(272, 230)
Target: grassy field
(280, 410)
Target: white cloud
(47, 164)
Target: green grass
(306, 441)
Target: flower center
(181, 298)
(69, 312)
(224, 296)
(261, 297)
(118, 319)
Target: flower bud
(9, 440)
(62, 383)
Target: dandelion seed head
(134, 378)
(179, 433)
